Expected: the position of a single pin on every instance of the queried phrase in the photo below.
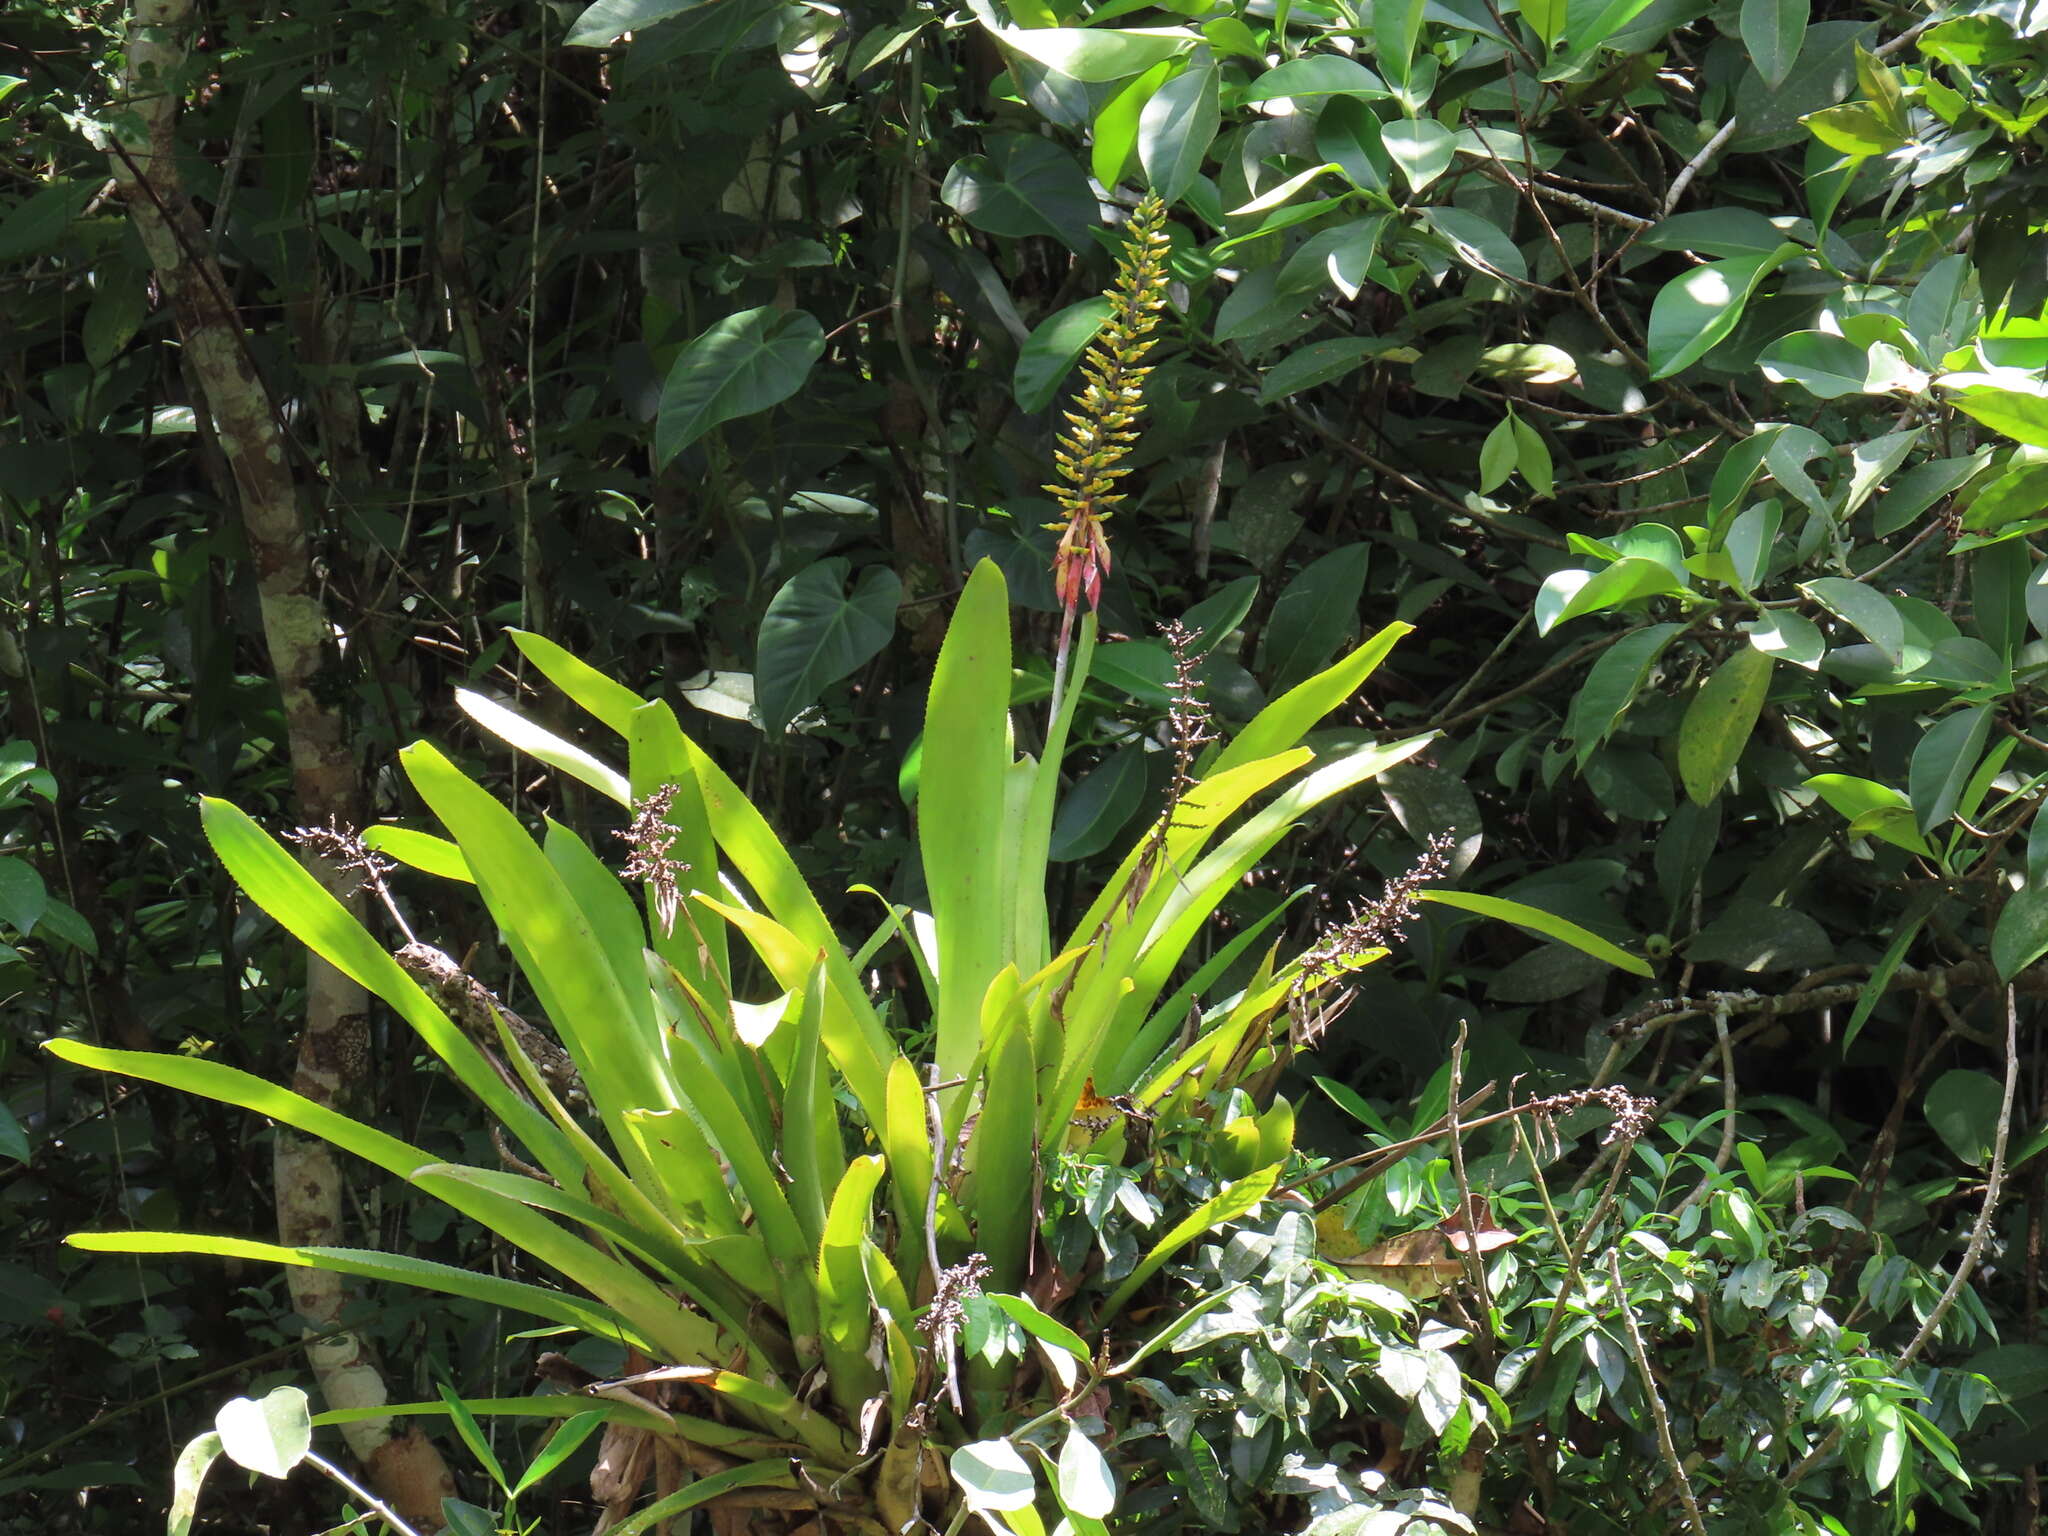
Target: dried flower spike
(652, 837)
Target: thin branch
(1486, 666)
(1564, 663)
(382, 1510)
(1726, 1150)
(1692, 167)
(1475, 1261)
(1980, 1233)
(1637, 479)
(1657, 1413)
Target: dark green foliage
(1675, 368)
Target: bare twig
(1692, 167)
(1475, 1261)
(1657, 1413)
(1585, 205)
(1535, 680)
(1500, 650)
(1728, 1115)
(1980, 1232)
(1885, 50)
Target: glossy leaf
(1570, 594)
(1056, 345)
(1854, 129)
(1349, 135)
(1878, 809)
(1613, 683)
(1548, 924)
(1532, 459)
(2018, 493)
(1098, 807)
(1963, 1106)
(1021, 186)
(1114, 140)
(1315, 614)
(607, 21)
(2021, 935)
(1177, 127)
(1396, 28)
(1497, 456)
(1528, 362)
(1422, 148)
(1322, 362)
(993, 1476)
(1693, 313)
(1317, 74)
(2018, 407)
(1943, 762)
(23, 896)
(1097, 54)
(1822, 364)
(1865, 608)
(270, 1435)
(743, 364)
(1719, 721)
(1479, 242)
(1772, 31)
(1087, 1485)
(816, 631)
(1548, 18)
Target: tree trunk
(404, 1468)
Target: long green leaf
(1034, 941)
(753, 1474)
(1002, 1148)
(960, 810)
(655, 1243)
(277, 883)
(1222, 792)
(907, 1140)
(537, 741)
(612, 703)
(813, 1153)
(711, 1227)
(419, 850)
(846, 1021)
(624, 1288)
(1124, 978)
(553, 1405)
(1288, 718)
(659, 757)
(1173, 1013)
(757, 855)
(621, 934)
(1549, 924)
(1227, 1204)
(688, 1336)
(367, 1264)
(554, 941)
(845, 1318)
(1194, 899)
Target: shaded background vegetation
(719, 357)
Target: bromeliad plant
(768, 1192)
(738, 1171)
